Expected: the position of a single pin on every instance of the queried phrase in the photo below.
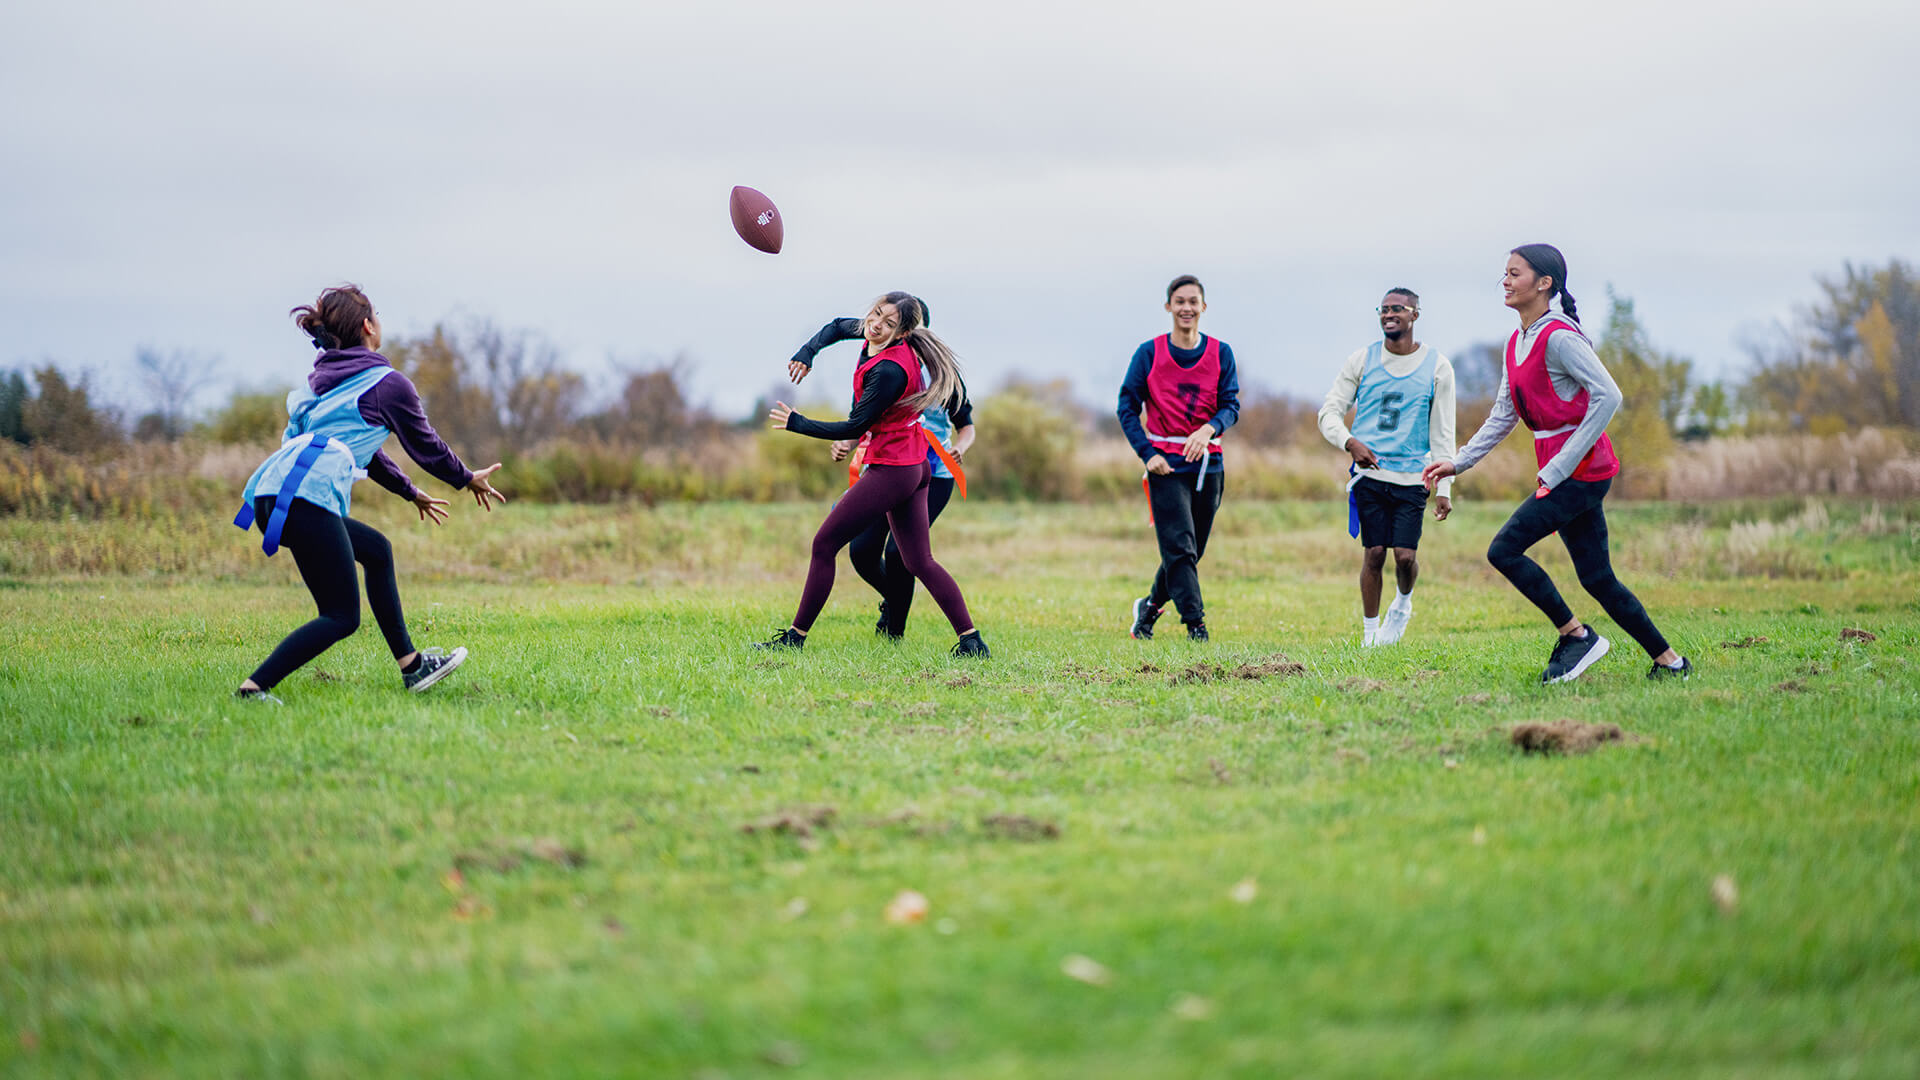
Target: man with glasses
(1401, 395)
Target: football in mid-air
(756, 219)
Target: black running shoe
(1144, 616)
(435, 664)
(972, 645)
(1574, 655)
(1197, 631)
(1662, 671)
(880, 625)
(785, 639)
(258, 696)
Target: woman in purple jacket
(300, 496)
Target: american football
(756, 219)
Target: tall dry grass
(190, 479)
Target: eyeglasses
(1392, 309)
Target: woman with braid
(904, 370)
(1556, 385)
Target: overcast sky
(180, 174)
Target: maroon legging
(900, 493)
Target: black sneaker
(785, 639)
(971, 645)
(1144, 616)
(435, 664)
(1574, 655)
(880, 625)
(1197, 631)
(1662, 671)
(257, 696)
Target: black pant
(876, 558)
(1182, 520)
(325, 546)
(1574, 510)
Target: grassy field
(544, 866)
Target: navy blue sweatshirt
(1133, 398)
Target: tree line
(1848, 359)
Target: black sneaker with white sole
(1662, 671)
(785, 639)
(971, 644)
(1144, 616)
(1574, 655)
(1197, 631)
(258, 696)
(435, 664)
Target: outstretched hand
(777, 416)
(431, 509)
(1437, 472)
(483, 491)
(797, 371)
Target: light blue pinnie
(328, 445)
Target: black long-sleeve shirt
(883, 387)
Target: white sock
(1403, 601)
(1677, 664)
(1370, 626)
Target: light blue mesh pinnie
(328, 445)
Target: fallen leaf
(1851, 634)
(907, 907)
(1244, 891)
(454, 881)
(1726, 895)
(1191, 1007)
(1086, 969)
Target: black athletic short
(1390, 514)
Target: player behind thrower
(1185, 387)
(1401, 392)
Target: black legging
(876, 558)
(325, 546)
(1574, 510)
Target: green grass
(193, 887)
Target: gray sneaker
(435, 664)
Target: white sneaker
(1369, 638)
(1394, 626)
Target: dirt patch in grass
(1849, 633)
(1276, 666)
(1473, 699)
(794, 821)
(1020, 827)
(1360, 685)
(959, 681)
(505, 858)
(1075, 672)
(324, 676)
(1791, 686)
(138, 720)
(1565, 737)
(1747, 642)
(1148, 668)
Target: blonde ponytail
(943, 371)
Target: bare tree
(171, 381)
